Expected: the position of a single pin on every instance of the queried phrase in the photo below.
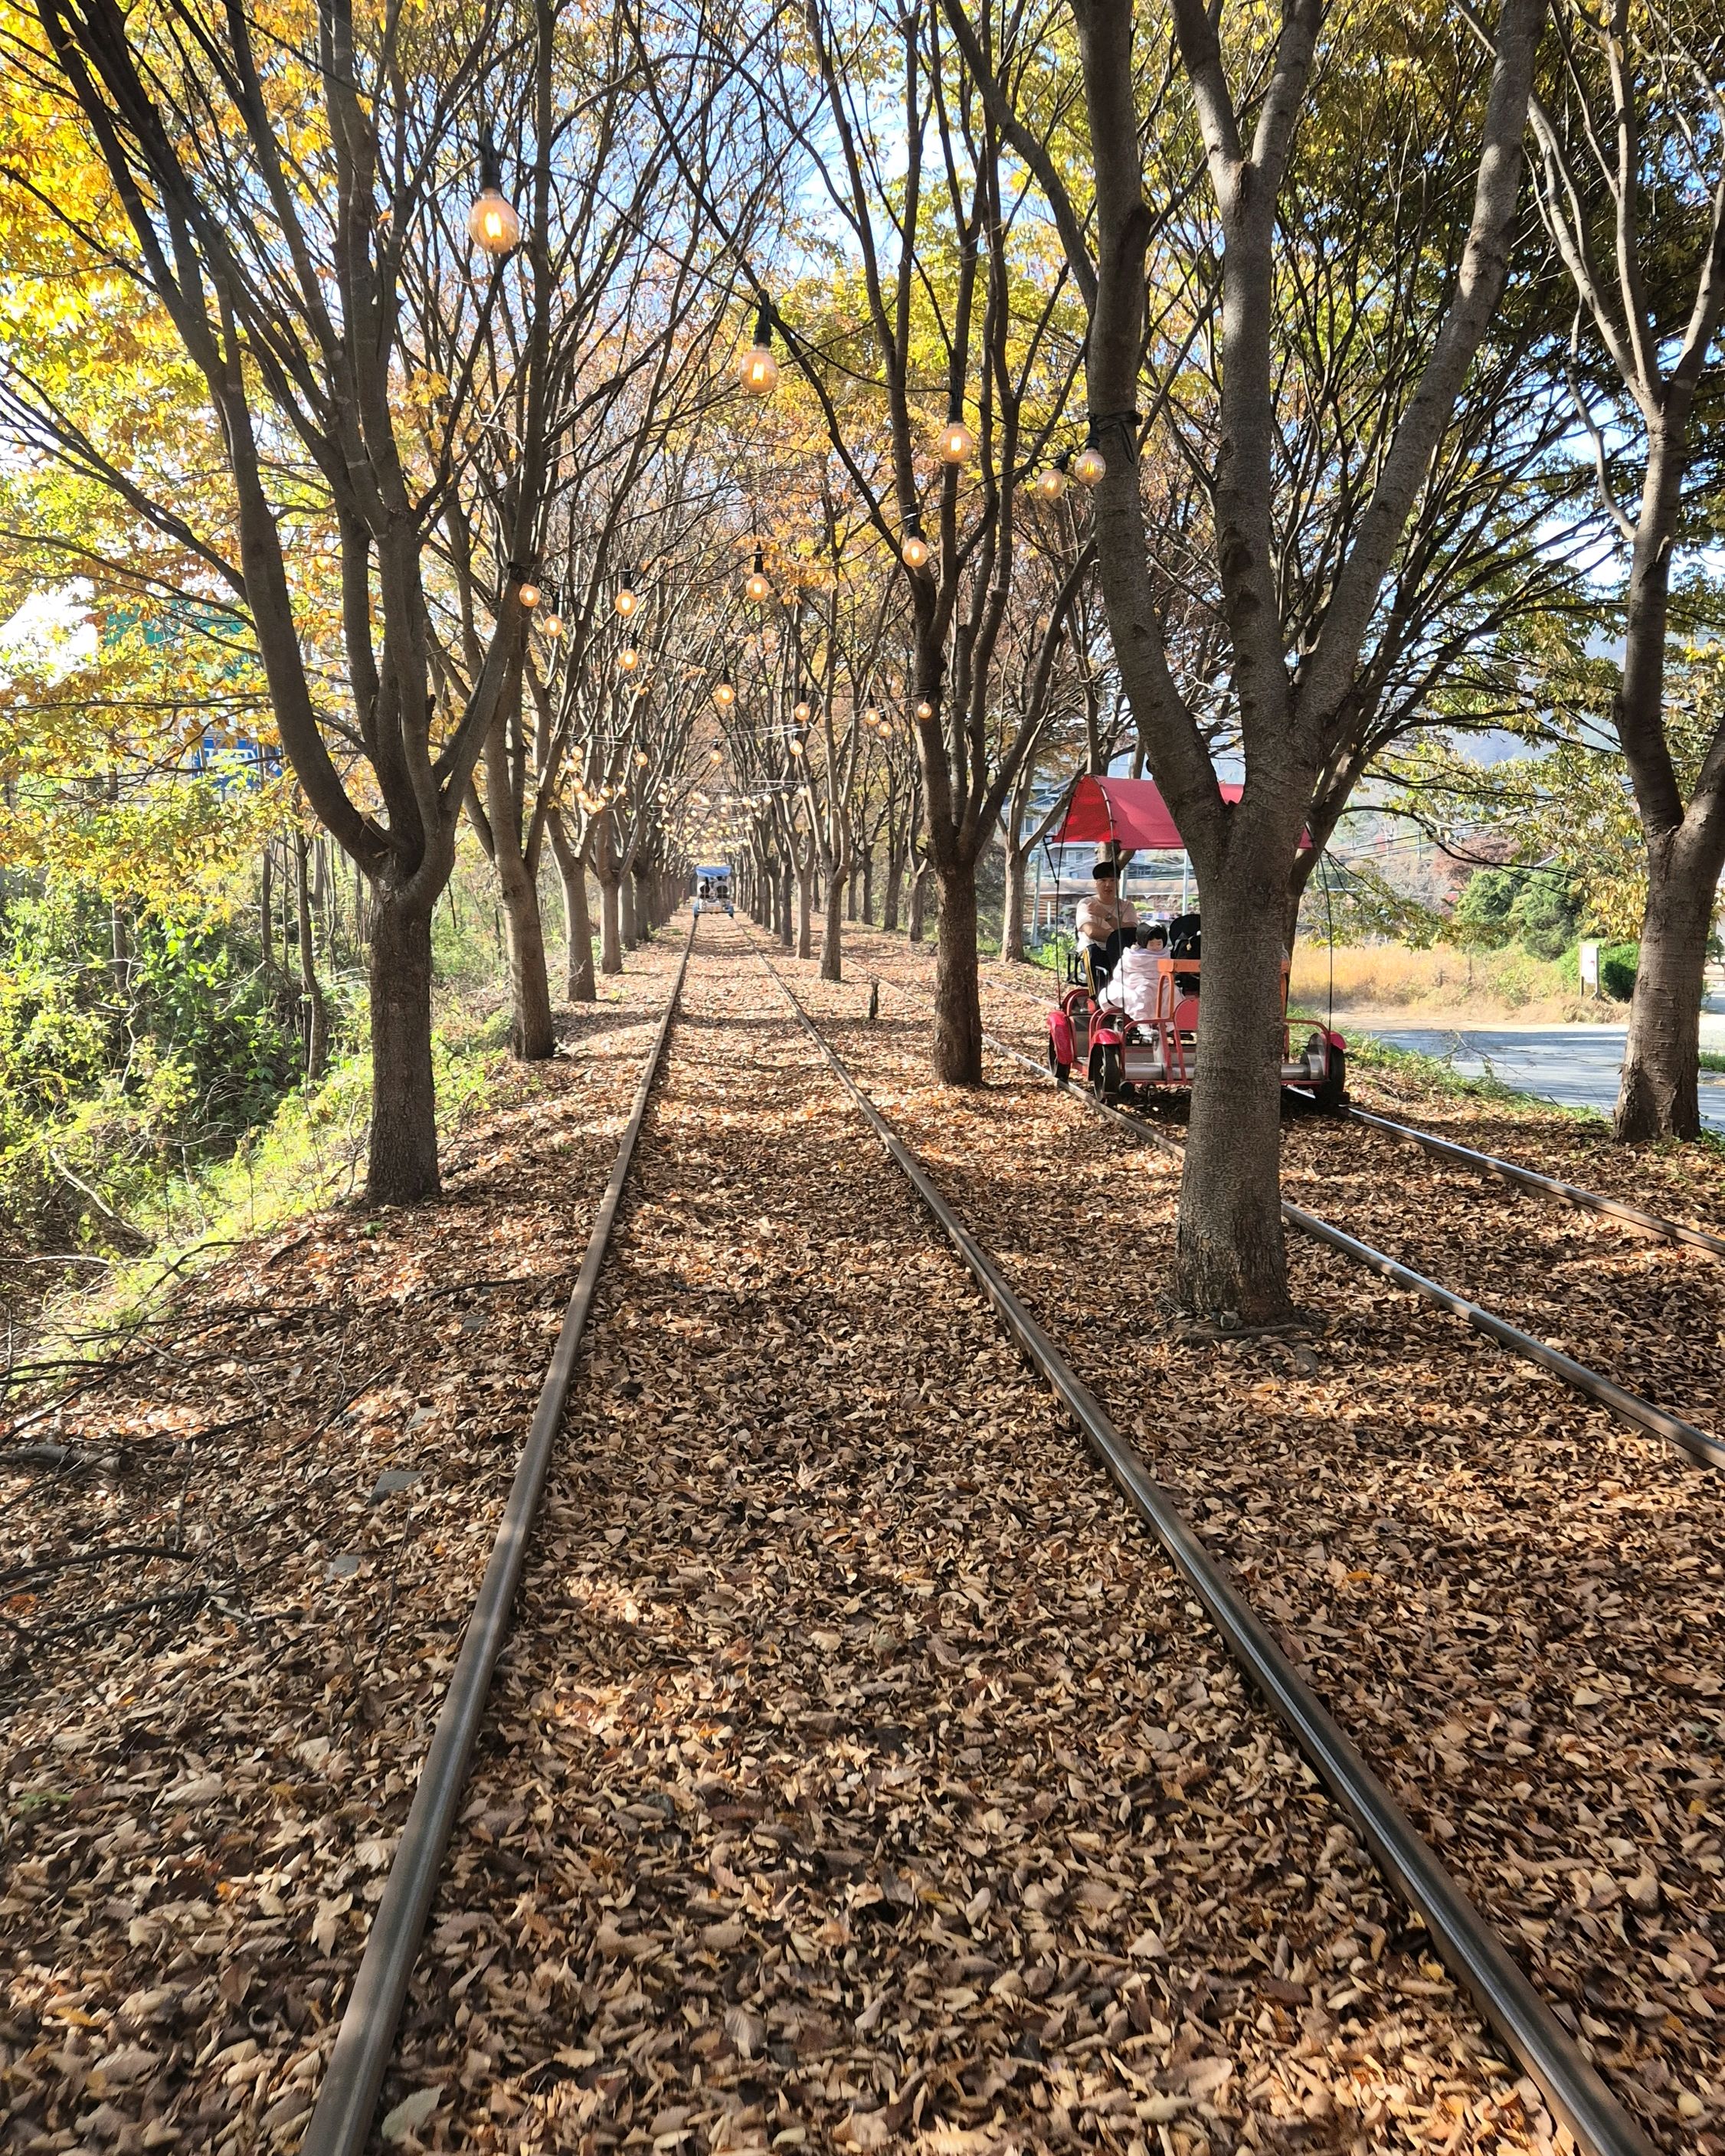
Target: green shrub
(1481, 915)
(1545, 915)
(1618, 964)
(1535, 908)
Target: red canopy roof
(1131, 810)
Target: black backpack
(1185, 940)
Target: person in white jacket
(1133, 987)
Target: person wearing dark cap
(1104, 920)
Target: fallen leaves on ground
(860, 1776)
(237, 1569)
(1515, 1604)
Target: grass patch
(1396, 976)
(311, 1153)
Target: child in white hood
(1133, 987)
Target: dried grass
(1392, 977)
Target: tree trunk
(629, 926)
(578, 986)
(867, 895)
(805, 912)
(118, 950)
(919, 901)
(1230, 1262)
(531, 1038)
(787, 883)
(1658, 1097)
(317, 1024)
(830, 959)
(610, 927)
(957, 1014)
(1012, 922)
(895, 888)
(403, 1166)
(853, 897)
(266, 910)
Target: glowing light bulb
(530, 596)
(958, 443)
(492, 223)
(716, 757)
(796, 748)
(757, 370)
(724, 695)
(628, 658)
(915, 551)
(1050, 483)
(627, 600)
(924, 710)
(802, 714)
(642, 759)
(871, 715)
(756, 584)
(1090, 465)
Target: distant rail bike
(1144, 1034)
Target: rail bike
(712, 891)
(1151, 1042)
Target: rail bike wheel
(1107, 1072)
(1061, 1072)
(1331, 1090)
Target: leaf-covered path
(1515, 1604)
(860, 1776)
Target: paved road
(1576, 1064)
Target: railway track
(1373, 1506)
(347, 2096)
(850, 1777)
(1467, 1943)
(1628, 1407)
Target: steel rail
(1470, 1947)
(342, 2121)
(1642, 1414)
(1631, 1216)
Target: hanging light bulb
(796, 748)
(914, 552)
(642, 759)
(1090, 465)
(1051, 481)
(802, 713)
(759, 370)
(957, 444)
(724, 695)
(716, 757)
(756, 584)
(554, 613)
(871, 715)
(924, 710)
(627, 599)
(529, 596)
(492, 223)
(628, 660)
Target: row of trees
(1375, 405)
